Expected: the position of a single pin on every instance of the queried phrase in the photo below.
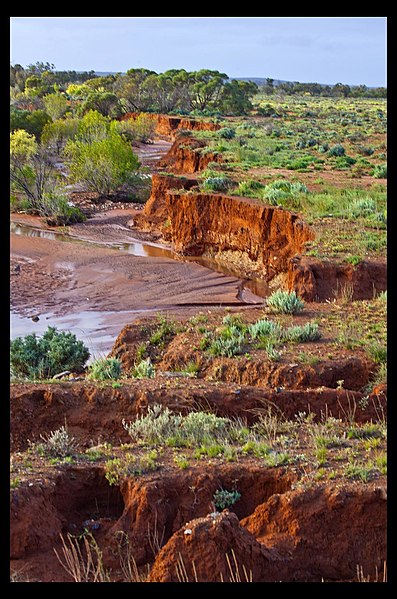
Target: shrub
(302, 334)
(57, 444)
(285, 302)
(144, 370)
(336, 150)
(57, 210)
(158, 424)
(217, 184)
(264, 328)
(104, 369)
(164, 329)
(362, 207)
(226, 133)
(54, 352)
(229, 347)
(380, 171)
(225, 499)
(199, 427)
(280, 190)
(250, 188)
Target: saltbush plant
(144, 370)
(43, 357)
(217, 184)
(285, 302)
(223, 498)
(105, 369)
(337, 150)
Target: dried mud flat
(304, 463)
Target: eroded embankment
(259, 238)
(246, 234)
(166, 520)
(168, 126)
(94, 412)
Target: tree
(33, 122)
(102, 165)
(31, 171)
(101, 101)
(207, 88)
(59, 132)
(56, 105)
(93, 127)
(236, 97)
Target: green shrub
(337, 150)
(302, 334)
(104, 369)
(57, 444)
(34, 357)
(362, 207)
(58, 211)
(264, 328)
(217, 184)
(380, 171)
(155, 427)
(144, 370)
(250, 188)
(378, 352)
(223, 498)
(285, 302)
(281, 189)
(165, 329)
(228, 347)
(226, 133)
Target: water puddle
(258, 288)
(98, 330)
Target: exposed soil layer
(167, 126)
(261, 237)
(154, 216)
(187, 155)
(317, 281)
(274, 532)
(94, 413)
(299, 536)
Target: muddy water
(99, 328)
(249, 288)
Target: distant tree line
(205, 92)
(339, 90)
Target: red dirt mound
(167, 126)
(199, 551)
(326, 530)
(317, 281)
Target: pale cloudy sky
(308, 49)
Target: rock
(35, 318)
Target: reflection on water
(258, 287)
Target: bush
(285, 302)
(57, 444)
(144, 370)
(104, 369)
(362, 207)
(336, 150)
(58, 211)
(224, 499)
(226, 133)
(264, 328)
(302, 334)
(282, 189)
(217, 184)
(380, 171)
(54, 352)
(250, 188)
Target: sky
(349, 50)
